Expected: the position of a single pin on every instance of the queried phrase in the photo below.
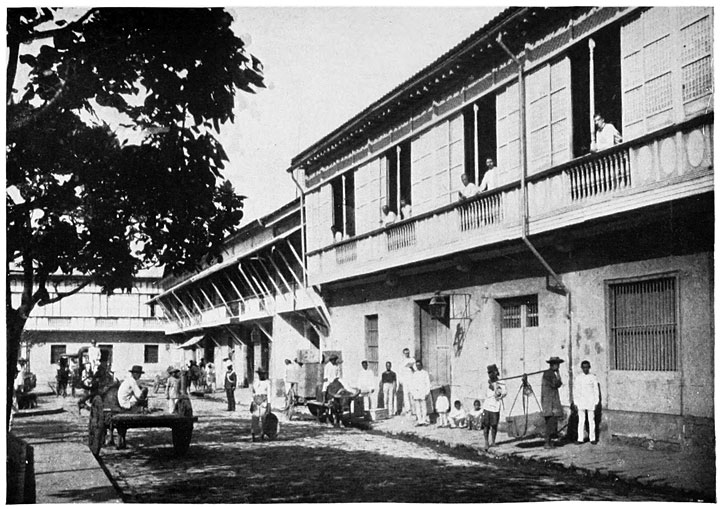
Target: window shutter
(312, 199)
(508, 134)
(422, 165)
(560, 112)
(367, 197)
(325, 215)
(538, 119)
(457, 157)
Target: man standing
(388, 379)
(489, 180)
(491, 405)
(469, 189)
(260, 406)
(230, 385)
(550, 397)
(587, 397)
(94, 355)
(172, 389)
(405, 373)
(130, 395)
(367, 383)
(420, 391)
(331, 371)
(605, 134)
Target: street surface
(310, 462)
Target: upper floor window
(479, 121)
(343, 205)
(397, 162)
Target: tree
(112, 159)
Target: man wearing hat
(230, 384)
(172, 388)
(260, 405)
(494, 395)
(550, 397)
(130, 395)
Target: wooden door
(435, 345)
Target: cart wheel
(181, 437)
(96, 426)
(271, 426)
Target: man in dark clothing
(388, 382)
(230, 385)
(550, 397)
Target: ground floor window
(643, 325)
(151, 354)
(518, 312)
(56, 351)
(371, 342)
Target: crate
(378, 414)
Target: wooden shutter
(312, 200)
(431, 161)
(422, 162)
(457, 157)
(508, 134)
(560, 112)
(367, 196)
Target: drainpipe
(524, 199)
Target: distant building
(600, 255)
(127, 329)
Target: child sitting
(475, 415)
(458, 416)
(442, 406)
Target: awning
(192, 342)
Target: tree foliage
(84, 196)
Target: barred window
(151, 354)
(696, 59)
(517, 310)
(643, 325)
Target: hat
(137, 369)
(492, 368)
(554, 360)
(229, 366)
(333, 357)
(172, 369)
(260, 370)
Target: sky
(323, 65)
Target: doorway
(436, 341)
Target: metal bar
(259, 281)
(187, 312)
(280, 273)
(272, 280)
(247, 279)
(239, 293)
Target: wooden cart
(106, 414)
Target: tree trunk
(15, 325)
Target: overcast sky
(323, 65)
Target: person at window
(336, 233)
(489, 180)
(605, 134)
(550, 398)
(130, 395)
(587, 397)
(388, 216)
(469, 189)
(405, 209)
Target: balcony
(667, 165)
(83, 323)
(238, 311)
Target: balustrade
(600, 176)
(400, 236)
(486, 211)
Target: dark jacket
(550, 396)
(230, 380)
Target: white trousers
(389, 398)
(584, 413)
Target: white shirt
(366, 381)
(469, 190)
(420, 384)
(489, 180)
(587, 391)
(338, 236)
(457, 413)
(605, 137)
(94, 354)
(442, 404)
(389, 218)
(330, 373)
(261, 387)
(406, 211)
(493, 397)
(20, 379)
(405, 371)
(128, 392)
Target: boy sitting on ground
(458, 416)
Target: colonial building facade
(126, 329)
(576, 249)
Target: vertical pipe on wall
(591, 48)
(525, 212)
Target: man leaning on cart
(130, 396)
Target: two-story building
(126, 329)
(254, 308)
(576, 249)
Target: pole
(591, 47)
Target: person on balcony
(388, 216)
(336, 233)
(489, 180)
(405, 209)
(605, 134)
(469, 189)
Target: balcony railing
(620, 178)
